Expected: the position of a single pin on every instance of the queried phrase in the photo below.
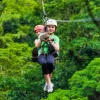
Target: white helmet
(51, 22)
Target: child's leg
(48, 85)
(50, 75)
(47, 78)
(42, 61)
(50, 63)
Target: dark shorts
(47, 63)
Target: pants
(47, 63)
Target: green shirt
(44, 45)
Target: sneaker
(45, 87)
(50, 87)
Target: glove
(44, 37)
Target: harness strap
(43, 47)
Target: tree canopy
(77, 73)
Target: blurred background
(77, 73)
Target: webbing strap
(44, 13)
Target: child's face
(38, 32)
(51, 28)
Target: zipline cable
(68, 21)
(79, 20)
(72, 21)
(92, 19)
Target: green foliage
(2, 43)
(21, 79)
(59, 95)
(83, 85)
(1, 30)
(87, 84)
(83, 50)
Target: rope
(44, 13)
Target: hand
(51, 40)
(44, 37)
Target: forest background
(77, 73)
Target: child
(46, 59)
(37, 29)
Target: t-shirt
(44, 45)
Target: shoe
(52, 84)
(50, 87)
(45, 87)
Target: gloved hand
(44, 37)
